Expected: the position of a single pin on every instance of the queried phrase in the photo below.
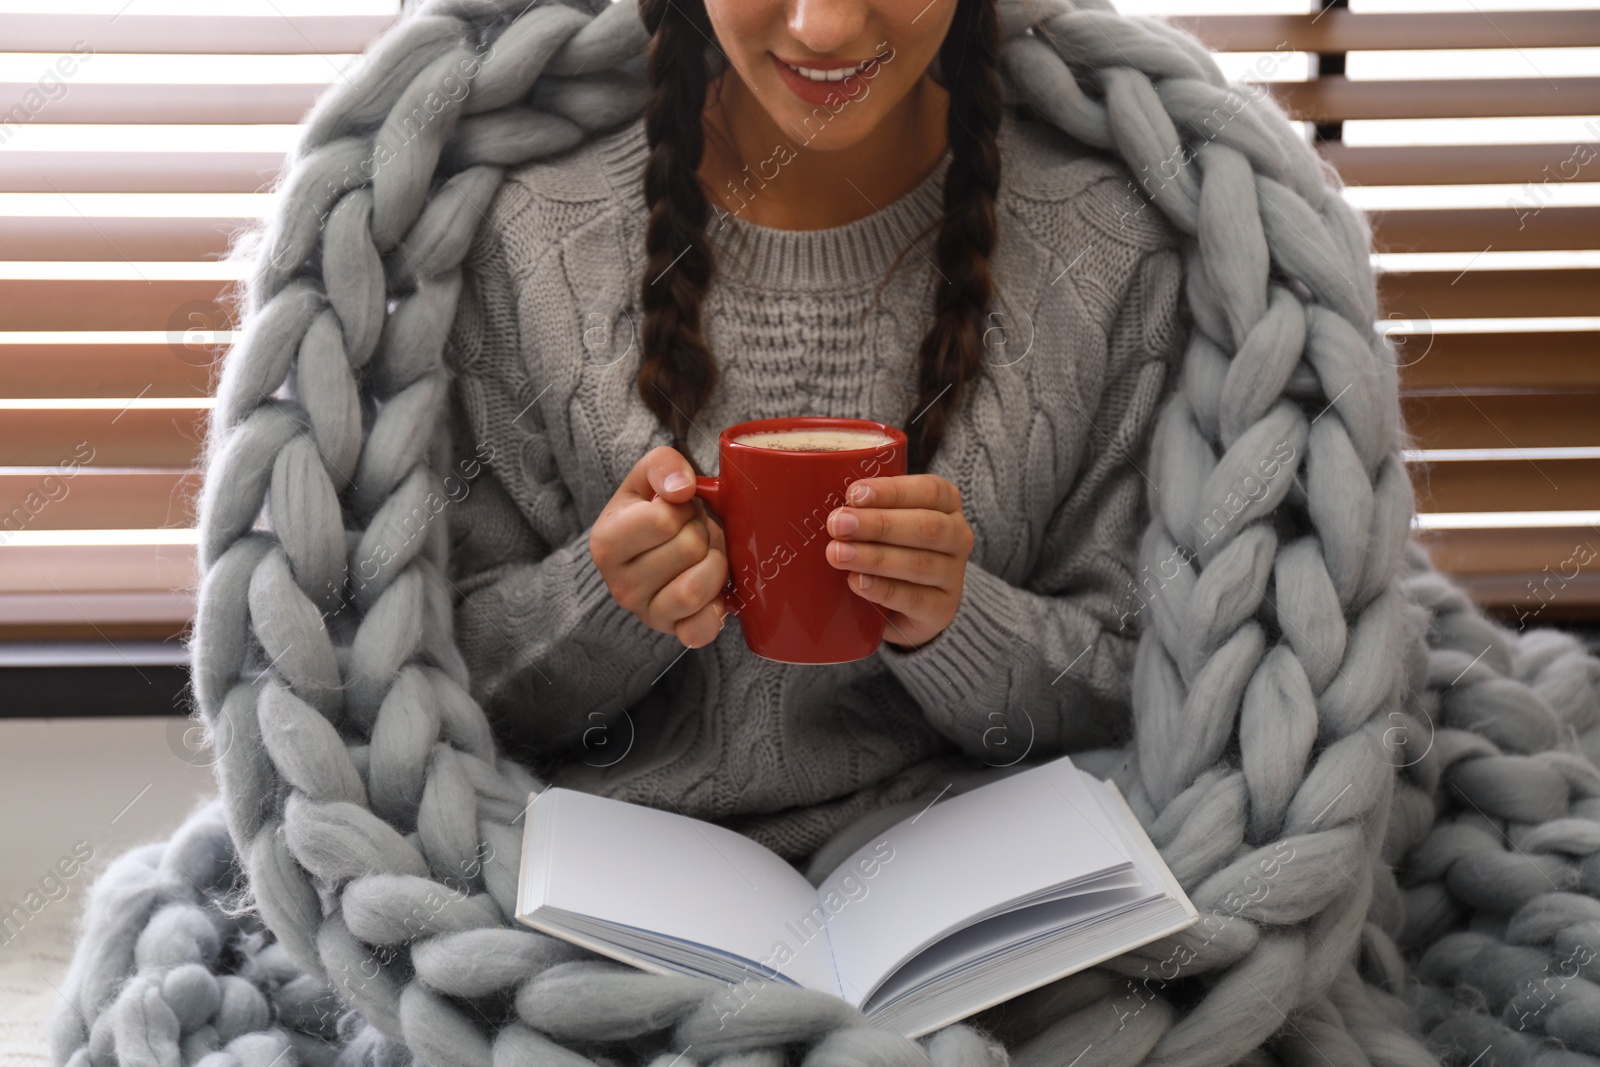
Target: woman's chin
(830, 140)
(823, 127)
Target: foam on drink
(815, 440)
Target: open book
(971, 901)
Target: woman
(771, 239)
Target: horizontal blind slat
(95, 102)
(35, 304)
(1535, 599)
(84, 498)
(188, 34)
(184, 366)
(1499, 551)
(1334, 98)
(1461, 164)
(138, 172)
(134, 437)
(1503, 420)
(1536, 575)
(1474, 229)
(1337, 30)
(1492, 293)
(95, 616)
(1508, 485)
(1551, 360)
(76, 237)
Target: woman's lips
(820, 92)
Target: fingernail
(860, 494)
(845, 552)
(675, 481)
(866, 581)
(844, 523)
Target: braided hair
(677, 372)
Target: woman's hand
(661, 556)
(907, 543)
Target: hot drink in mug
(815, 440)
(778, 481)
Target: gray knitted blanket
(1385, 806)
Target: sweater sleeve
(1047, 668)
(547, 646)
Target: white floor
(100, 786)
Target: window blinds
(135, 138)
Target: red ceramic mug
(792, 604)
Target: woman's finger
(621, 538)
(905, 491)
(916, 565)
(689, 592)
(637, 582)
(908, 599)
(910, 527)
(661, 564)
(702, 627)
(650, 477)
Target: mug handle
(710, 491)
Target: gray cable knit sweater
(1046, 448)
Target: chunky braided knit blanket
(1385, 805)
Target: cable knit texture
(1083, 343)
(1384, 805)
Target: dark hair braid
(952, 349)
(678, 371)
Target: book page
(674, 876)
(961, 860)
(1001, 957)
(1141, 850)
(1010, 933)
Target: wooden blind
(1487, 236)
(121, 187)
(135, 146)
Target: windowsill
(99, 678)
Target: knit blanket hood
(1385, 805)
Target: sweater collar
(846, 257)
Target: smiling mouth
(833, 74)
